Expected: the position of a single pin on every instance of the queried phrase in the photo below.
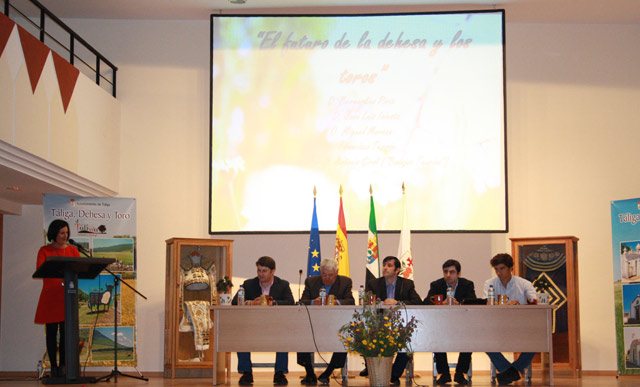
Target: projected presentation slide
(299, 102)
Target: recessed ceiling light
(237, 1)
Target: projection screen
(358, 102)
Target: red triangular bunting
(35, 55)
(6, 26)
(67, 77)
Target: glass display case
(194, 266)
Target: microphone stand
(115, 372)
(116, 280)
(299, 283)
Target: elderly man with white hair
(334, 285)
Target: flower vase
(379, 371)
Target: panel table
(458, 328)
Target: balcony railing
(42, 23)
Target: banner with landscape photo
(105, 228)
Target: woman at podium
(50, 309)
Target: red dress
(51, 304)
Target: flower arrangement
(377, 331)
(224, 285)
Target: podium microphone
(299, 282)
(78, 246)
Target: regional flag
(373, 263)
(313, 262)
(404, 248)
(342, 249)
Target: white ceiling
(535, 11)
(527, 11)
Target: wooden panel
(481, 329)
(570, 354)
(441, 329)
(253, 328)
(499, 328)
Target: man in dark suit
(266, 283)
(335, 285)
(462, 288)
(393, 290)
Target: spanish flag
(342, 248)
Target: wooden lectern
(71, 269)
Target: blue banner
(313, 261)
(625, 236)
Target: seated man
(519, 291)
(338, 286)
(268, 284)
(393, 289)
(462, 288)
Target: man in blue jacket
(392, 289)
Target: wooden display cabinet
(551, 264)
(193, 268)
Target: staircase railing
(26, 19)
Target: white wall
(83, 139)
(573, 96)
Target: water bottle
(491, 296)
(361, 295)
(450, 295)
(39, 368)
(241, 295)
(323, 296)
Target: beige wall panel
(6, 96)
(98, 119)
(31, 116)
(573, 99)
(63, 134)
(10, 63)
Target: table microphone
(299, 282)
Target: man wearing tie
(393, 290)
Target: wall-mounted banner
(105, 227)
(625, 235)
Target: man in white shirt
(519, 291)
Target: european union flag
(313, 262)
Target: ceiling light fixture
(237, 1)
